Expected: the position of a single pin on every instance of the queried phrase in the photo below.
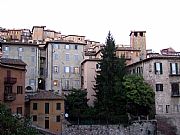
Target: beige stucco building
(47, 111)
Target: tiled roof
(12, 61)
(41, 95)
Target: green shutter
(155, 68)
(176, 68)
(161, 70)
(170, 68)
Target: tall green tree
(109, 81)
(12, 125)
(139, 94)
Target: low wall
(137, 128)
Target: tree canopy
(13, 125)
(139, 94)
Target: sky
(94, 18)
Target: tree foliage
(108, 88)
(76, 102)
(13, 125)
(140, 96)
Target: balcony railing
(9, 96)
(10, 80)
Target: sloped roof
(12, 61)
(43, 94)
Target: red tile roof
(12, 61)
(42, 95)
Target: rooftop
(9, 61)
(43, 94)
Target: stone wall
(137, 128)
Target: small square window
(159, 87)
(58, 106)
(66, 69)
(67, 47)
(34, 106)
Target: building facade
(47, 111)
(12, 84)
(29, 53)
(162, 73)
(63, 68)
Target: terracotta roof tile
(12, 61)
(45, 95)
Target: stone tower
(138, 41)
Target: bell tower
(138, 41)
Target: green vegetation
(13, 125)
(117, 94)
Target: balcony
(10, 80)
(9, 96)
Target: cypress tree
(108, 81)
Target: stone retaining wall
(137, 128)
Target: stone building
(47, 111)
(29, 53)
(12, 84)
(162, 73)
(63, 68)
(138, 41)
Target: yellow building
(47, 111)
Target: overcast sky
(94, 18)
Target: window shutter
(161, 87)
(176, 68)
(170, 68)
(155, 68)
(156, 87)
(161, 70)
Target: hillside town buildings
(39, 67)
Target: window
(34, 106)
(158, 68)
(19, 90)
(34, 117)
(76, 57)
(46, 124)
(56, 69)
(56, 56)
(32, 49)
(55, 82)
(58, 106)
(67, 84)
(67, 47)
(32, 82)
(8, 89)
(56, 46)
(46, 108)
(66, 69)
(76, 70)
(75, 47)
(20, 49)
(175, 89)
(6, 48)
(32, 59)
(41, 71)
(167, 108)
(173, 68)
(67, 57)
(58, 118)
(97, 66)
(138, 70)
(42, 60)
(159, 87)
(19, 110)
